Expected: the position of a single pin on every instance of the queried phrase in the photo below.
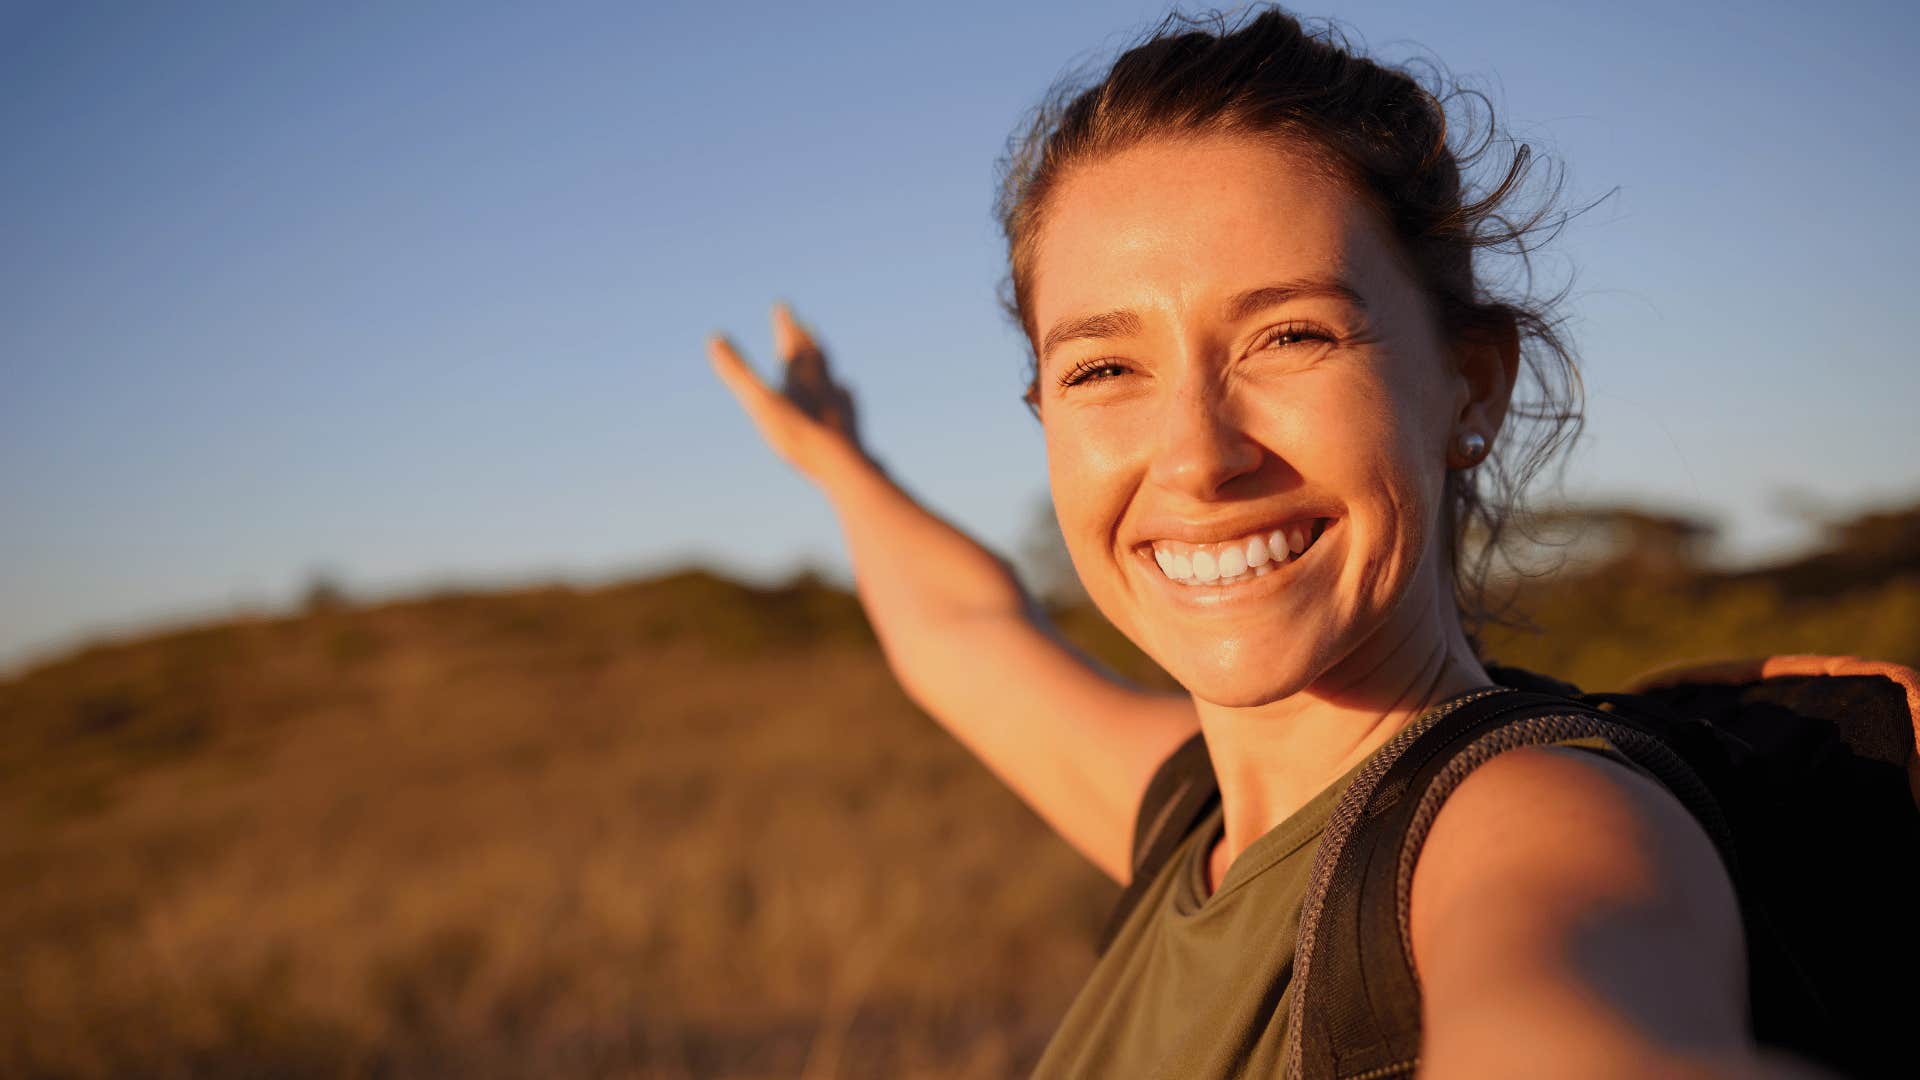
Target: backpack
(1802, 769)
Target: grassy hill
(676, 828)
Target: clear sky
(410, 293)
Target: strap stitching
(1646, 750)
(1340, 825)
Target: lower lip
(1260, 587)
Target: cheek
(1373, 452)
(1412, 478)
(1356, 440)
(1086, 469)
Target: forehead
(1175, 223)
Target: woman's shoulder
(1578, 816)
(1569, 885)
(1579, 803)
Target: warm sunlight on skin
(1202, 427)
(1200, 417)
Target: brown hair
(1384, 134)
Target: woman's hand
(809, 421)
(966, 641)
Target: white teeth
(1203, 566)
(1233, 562)
(1257, 552)
(1230, 563)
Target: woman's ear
(1487, 360)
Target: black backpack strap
(1356, 1008)
(1182, 791)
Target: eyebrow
(1123, 323)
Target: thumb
(759, 401)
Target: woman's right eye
(1091, 371)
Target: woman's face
(1235, 359)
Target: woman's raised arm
(964, 639)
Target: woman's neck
(1272, 759)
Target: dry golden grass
(638, 831)
(1601, 630)
(677, 828)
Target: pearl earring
(1471, 446)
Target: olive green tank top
(1196, 987)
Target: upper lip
(1223, 529)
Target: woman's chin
(1239, 686)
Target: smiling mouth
(1235, 561)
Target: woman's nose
(1203, 445)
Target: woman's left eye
(1291, 334)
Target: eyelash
(1083, 371)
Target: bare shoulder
(1564, 888)
(1567, 810)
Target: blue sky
(411, 293)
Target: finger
(802, 355)
(754, 396)
(789, 337)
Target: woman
(1270, 384)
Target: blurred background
(411, 663)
